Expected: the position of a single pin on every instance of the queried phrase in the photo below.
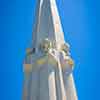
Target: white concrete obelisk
(48, 66)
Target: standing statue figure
(48, 65)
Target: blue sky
(80, 21)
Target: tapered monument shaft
(48, 66)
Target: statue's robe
(45, 79)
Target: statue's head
(65, 47)
(45, 45)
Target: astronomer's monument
(48, 65)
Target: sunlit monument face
(48, 65)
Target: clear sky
(81, 23)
